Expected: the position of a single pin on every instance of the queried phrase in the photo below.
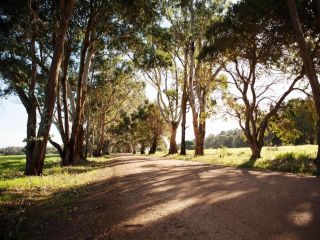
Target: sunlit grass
(55, 177)
(294, 159)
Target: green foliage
(190, 145)
(230, 139)
(296, 122)
(141, 127)
(245, 23)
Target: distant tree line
(231, 139)
(12, 150)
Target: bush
(291, 162)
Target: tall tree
(99, 28)
(159, 65)
(35, 165)
(202, 76)
(176, 14)
(47, 20)
(253, 53)
(308, 62)
(18, 65)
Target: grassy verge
(292, 159)
(55, 178)
(26, 202)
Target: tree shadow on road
(163, 200)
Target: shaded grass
(27, 202)
(291, 159)
(13, 166)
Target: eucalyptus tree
(113, 90)
(176, 15)
(31, 48)
(189, 20)
(257, 62)
(17, 62)
(296, 26)
(158, 63)
(309, 56)
(99, 28)
(155, 125)
(63, 13)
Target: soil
(153, 198)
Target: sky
(13, 119)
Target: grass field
(14, 185)
(293, 159)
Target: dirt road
(149, 198)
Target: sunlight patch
(302, 216)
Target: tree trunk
(80, 145)
(87, 135)
(143, 149)
(77, 127)
(100, 146)
(86, 56)
(32, 106)
(317, 159)
(31, 127)
(255, 153)
(200, 136)
(173, 144)
(154, 145)
(66, 155)
(184, 106)
(51, 90)
(308, 64)
(183, 125)
(31, 135)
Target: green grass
(55, 178)
(293, 159)
(22, 198)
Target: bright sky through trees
(13, 114)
